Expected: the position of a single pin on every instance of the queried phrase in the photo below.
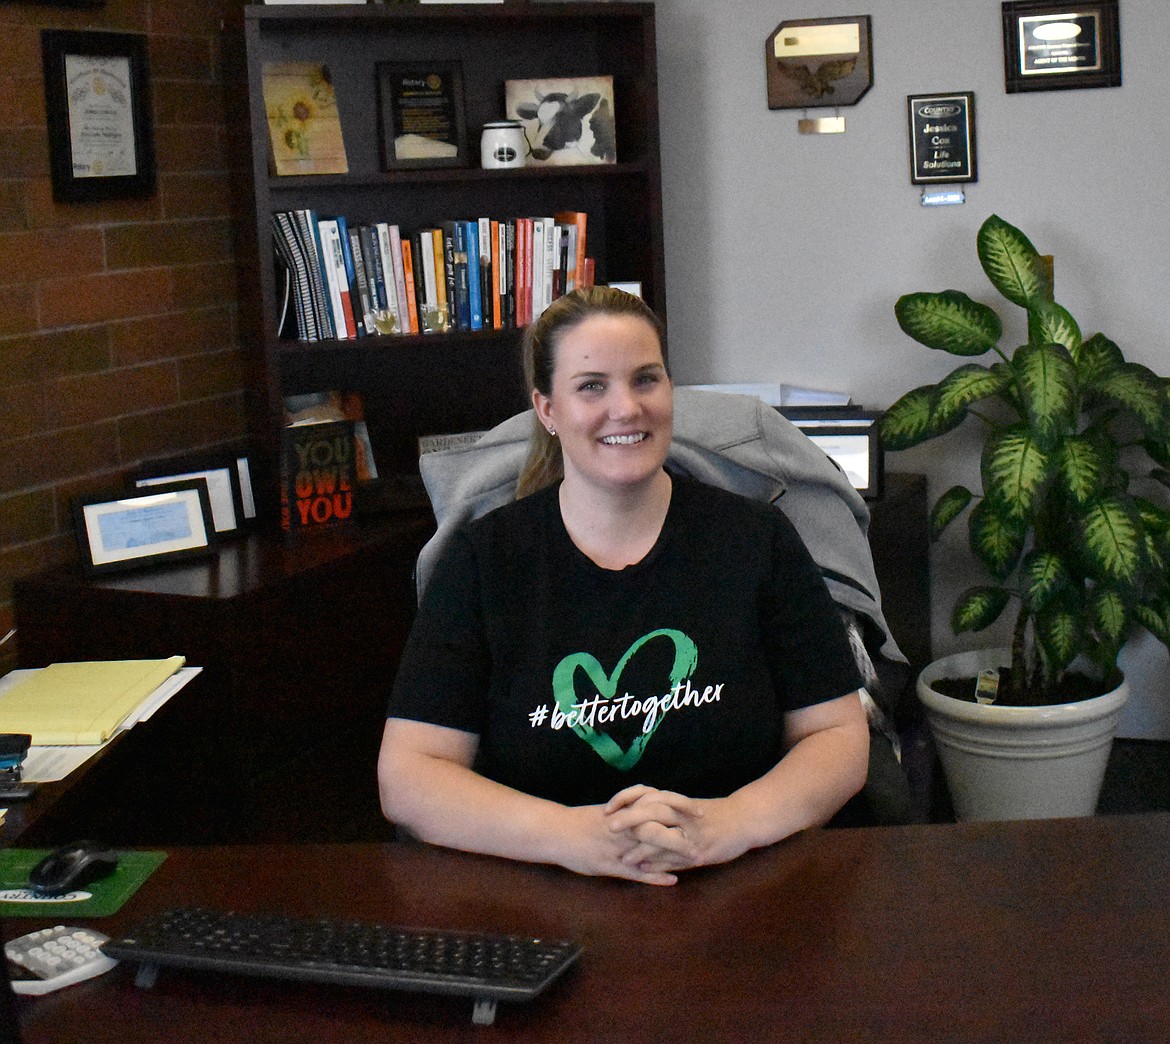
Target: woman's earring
(553, 432)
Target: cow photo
(567, 120)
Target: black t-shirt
(675, 672)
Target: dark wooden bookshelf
(439, 383)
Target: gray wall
(785, 252)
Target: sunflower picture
(303, 123)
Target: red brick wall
(118, 320)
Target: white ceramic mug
(502, 145)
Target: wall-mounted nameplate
(945, 198)
(818, 61)
(942, 137)
(821, 125)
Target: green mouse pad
(97, 899)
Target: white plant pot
(1018, 762)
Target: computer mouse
(72, 866)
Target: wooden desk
(272, 621)
(298, 643)
(1044, 930)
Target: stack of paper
(81, 703)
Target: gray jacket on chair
(735, 442)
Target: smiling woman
(625, 672)
(611, 407)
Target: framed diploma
(942, 138)
(98, 104)
(420, 107)
(1051, 45)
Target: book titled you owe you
(317, 490)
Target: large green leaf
(969, 383)
(949, 321)
(1136, 389)
(1014, 468)
(1058, 634)
(1109, 614)
(1155, 517)
(1044, 578)
(1012, 264)
(1049, 323)
(1047, 381)
(1155, 522)
(907, 422)
(1081, 467)
(947, 508)
(978, 607)
(1097, 357)
(1155, 619)
(996, 537)
(1112, 541)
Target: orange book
(577, 219)
(497, 247)
(441, 274)
(408, 275)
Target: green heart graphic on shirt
(686, 656)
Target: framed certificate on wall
(97, 102)
(1049, 46)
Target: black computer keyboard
(487, 967)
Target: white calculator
(57, 957)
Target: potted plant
(1071, 527)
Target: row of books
(344, 281)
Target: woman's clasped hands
(651, 834)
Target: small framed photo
(1049, 45)
(247, 491)
(942, 138)
(133, 528)
(421, 115)
(849, 438)
(97, 99)
(567, 120)
(220, 472)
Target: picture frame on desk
(849, 437)
(129, 529)
(97, 101)
(421, 114)
(225, 479)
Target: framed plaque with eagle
(819, 62)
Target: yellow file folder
(81, 703)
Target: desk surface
(1044, 930)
